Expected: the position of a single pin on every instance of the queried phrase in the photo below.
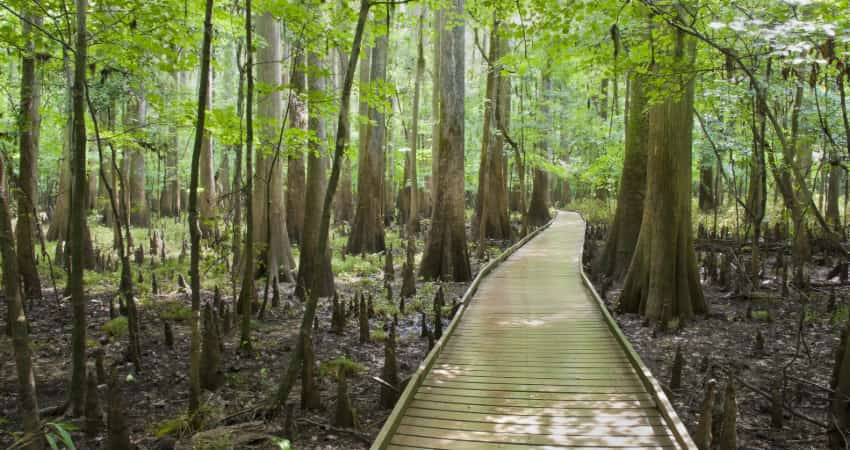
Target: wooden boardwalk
(534, 362)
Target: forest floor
(157, 397)
(800, 334)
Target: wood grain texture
(533, 364)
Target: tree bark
(320, 283)
(306, 329)
(135, 121)
(78, 215)
(296, 187)
(446, 256)
(29, 122)
(367, 230)
(662, 282)
(344, 199)
(169, 204)
(623, 233)
(207, 205)
(17, 327)
(268, 208)
(538, 209)
(194, 225)
(492, 202)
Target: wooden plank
(406, 441)
(536, 395)
(577, 421)
(490, 401)
(540, 427)
(531, 361)
(531, 382)
(392, 422)
(534, 372)
(532, 411)
(534, 439)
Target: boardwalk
(533, 363)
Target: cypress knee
(212, 376)
(363, 321)
(729, 431)
(389, 373)
(702, 437)
(309, 391)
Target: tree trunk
(367, 230)
(438, 23)
(268, 207)
(135, 121)
(78, 216)
(839, 407)
(538, 209)
(237, 172)
(295, 181)
(344, 199)
(833, 194)
(247, 292)
(706, 199)
(194, 225)
(623, 233)
(662, 282)
(446, 256)
(306, 328)
(757, 191)
(207, 205)
(492, 202)
(29, 122)
(17, 327)
(169, 203)
(320, 283)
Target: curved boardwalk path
(534, 363)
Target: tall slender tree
(269, 217)
(446, 255)
(623, 232)
(320, 283)
(78, 214)
(367, 230)
(18, 327)
(29, 121)
(194, 225)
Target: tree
(207, 207)
(306, 329)
(134, 121)
(78, 214)
(17, 326)
(269, 218)
(623, 232)
(662, 282)
(29, 122)
(367, 230)
(320, 282)
(446, 255)
(194, 225)
(296, 186)
(538, 209)
(492, 179)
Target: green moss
(116, 328)
(762, 315)
(174, 310)
(341, 365)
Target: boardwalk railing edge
(680, 432)
(392, 422)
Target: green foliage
(59, 433)
(173, 310)
(116, 328)
(341, 366)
